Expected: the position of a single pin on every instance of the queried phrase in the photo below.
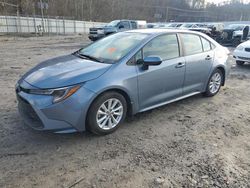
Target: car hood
(64, 71)
(96, 28)
(246, 44)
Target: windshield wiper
(87, 57)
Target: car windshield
(113, 23)
(187, 25)
(235, 27)
(211, 25)
(172, 25)
(160, 25)
(113, 47)
(201, 25)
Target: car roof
(159, 31)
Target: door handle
(179, 65)
(208, 58)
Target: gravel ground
(197, 142)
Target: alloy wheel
(109, 114)
(215, 83)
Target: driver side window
(165, 46)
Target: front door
(159, 84)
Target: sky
(221, 1)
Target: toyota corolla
(95, 87)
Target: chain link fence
(18, 25)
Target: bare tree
(150, 10)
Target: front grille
(29, 113)
(19, 89)
(93, 30)
(247, 49)
(244, 58)
(229, 35)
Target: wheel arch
(222, 69)
(120, 91)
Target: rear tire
(106, 113)
(240, 63)
(214, 83)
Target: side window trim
(180, 45)
(202, 44)
(210, 44)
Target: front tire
(240, 63)
(214, 83)
(107, 113)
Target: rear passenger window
(125, 24)
(192, 44)
(134, 25)
(165, 47)
(206, 44)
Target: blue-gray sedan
(126, 73)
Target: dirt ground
(197, 142)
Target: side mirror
(151, 61)
(121, 27)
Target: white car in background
(242, 53)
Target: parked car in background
(242, 53)
(199, 27)
(141, 24)
(174, 25)
(189, 26)
(127, 72)
(216, 30)
(161, 25)
(164, 25)
(151, 25)
(234, 34)
(216, 26)
(115, 26)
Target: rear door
(199, 58)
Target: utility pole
(41, 6)
(112, 9)
(167, 10)
(82, 9)
(90, 10)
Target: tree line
(150, 10)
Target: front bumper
(40, 113)
(94, 37)
(241, 55)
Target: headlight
(100, 31)
(240, 48)
(58, 94)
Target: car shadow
(26, 139)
